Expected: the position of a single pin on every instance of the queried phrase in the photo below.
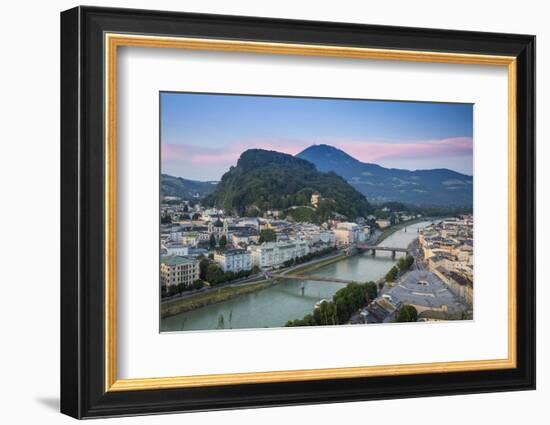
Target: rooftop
(178, 260)
(231, 252)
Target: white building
(327, 237)
(190, 238)
(173, 248)
(348, 233)
(249, 222)
(179, 271)
(366, 232)
(234, 260)
(315, 198)
(274, 254)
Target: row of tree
(171, 290)
(212, 273)
(166, 218)
(402, 265)
(309, 257)
(344, 303)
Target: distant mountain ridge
(184, 188)
(264, 180)
(437, 187)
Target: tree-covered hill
(184, 188)
(263, 180)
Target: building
(348, 233)
(218, 228)
(245, 236)
(178, 270)
(366, 232)
(315, 198)
(191, 238)
(175, 249)
(459, 284)
(274, 254)
(234, 260)
(382, 310)
(327, 237)
(382, 223)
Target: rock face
(438, 187)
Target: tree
(223, 242)
(326, 314)
(212, 241)
(198, 284)
(214, 274)
(407, 313)
(371, 291)
(392, 274)
(203, 265)
(166, 218)
(267, 235)
(405, 263)
(196, 216)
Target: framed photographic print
(261, 212)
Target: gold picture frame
(114, 41)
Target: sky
(202, 135)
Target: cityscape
(311, 238)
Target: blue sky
(202, 134)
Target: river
(287, 300)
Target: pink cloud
(363, 150)
(228, 154)
(376, 151)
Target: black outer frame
(82, 207)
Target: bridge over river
(365, 247)
(374, 248)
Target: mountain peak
(254, 158)
(379, 184)
(326, 151)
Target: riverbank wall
(213, 296)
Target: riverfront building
(348, 233)
(178, 270)
(234, 260)
(274, 254)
